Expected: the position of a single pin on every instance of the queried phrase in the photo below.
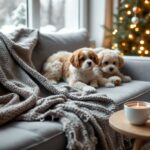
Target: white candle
(138, 106)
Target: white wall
(96, 20)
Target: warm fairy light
(120, 18)
(137, 29)
(142, 42)
(115, 31)
(114, 46)
(146, 52)
(146, 2)
(130, 36)
(133, 48)
(129, 12)
(139, 52)
(123, 44)
(126, 5)
(141, 48)
(147, 31)
(132, 26)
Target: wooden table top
(119, 123)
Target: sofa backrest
(50, 43)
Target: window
(12, 14)
(58, 15)
(45, 15)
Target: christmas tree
(131, 28)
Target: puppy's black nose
(89, 63)
(111, 69)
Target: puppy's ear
(74, 60)
(121, 61)
(100, 57)
(94, 57)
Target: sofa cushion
(134, 90)
(50, 43)
(32, 135)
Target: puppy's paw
(109, 85)
(115, 80)
(89, 89)
(94, 84)
(127, 79)
(52, 81)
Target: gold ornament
(136, 10)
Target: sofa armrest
(137, 67)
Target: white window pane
(13, 13)
(56, 15)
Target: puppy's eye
(91, 57)
(82, 58)
(114, 63)
(106, 62)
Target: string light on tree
(141, 48)
(147, 31)
(137, 29)
(146, 2)
(121, 19)
(129, 12)
(126, 5)
(130, 36)
(132, 28)
(115, 31)
(146, 52)
(142, 42)
(123, 44)
(133, 48)
(139, 52)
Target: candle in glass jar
(138, 106)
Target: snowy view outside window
(58, 15)
(55, 15)
(13, 13)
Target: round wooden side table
(141, 133)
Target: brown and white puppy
(110, 61)
(76, 68)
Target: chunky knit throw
(84, 117)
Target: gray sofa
(49, 134)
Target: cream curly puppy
(110, 61)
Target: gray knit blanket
(84, 117)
